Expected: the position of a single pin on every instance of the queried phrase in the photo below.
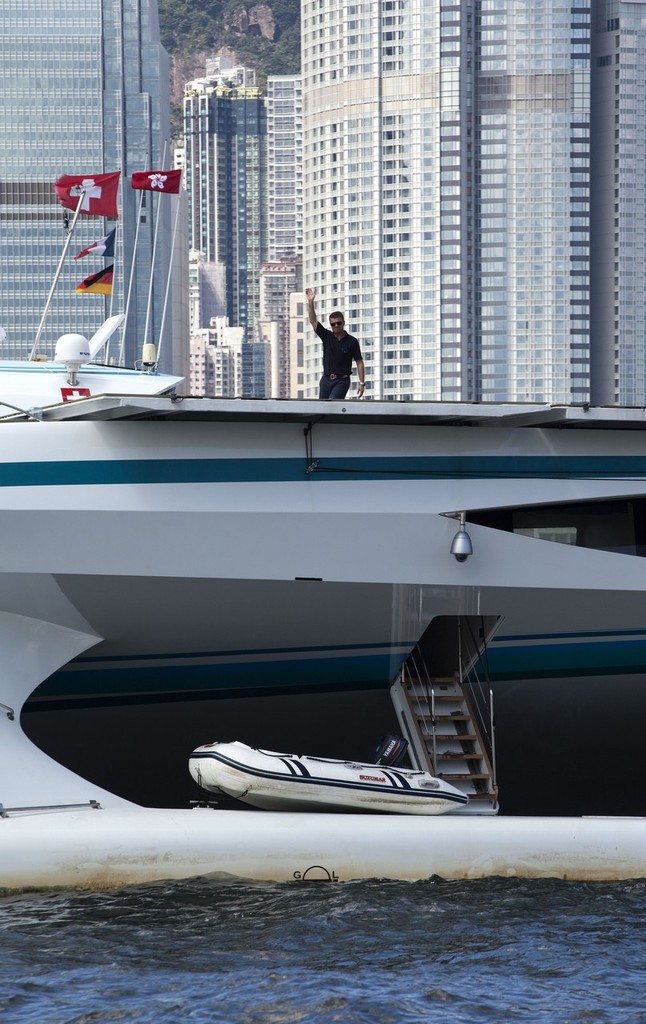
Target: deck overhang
(476, 414)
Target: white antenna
(73, 350)
(104, 333)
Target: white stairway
(441, 725)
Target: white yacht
(283, 567)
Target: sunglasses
(336, 323)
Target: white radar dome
(72, 349)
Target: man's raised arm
(311, 295)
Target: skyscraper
(385, 136)
(281, 275)
(618, 203)
(284, 167)
(389, 216)
(82, 91)
(278, 281)
(225, 131)
(532, 191)
(472, 184)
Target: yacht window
(605, 526)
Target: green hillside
(262, 36)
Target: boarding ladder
(450, 732)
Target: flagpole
(130, 282)
(34, 348)
(114, 249)
(106, 356)
(168, 278)
(154, 252)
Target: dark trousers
(333, 388)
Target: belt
(338, 376)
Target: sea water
(319, 952)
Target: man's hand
(311, 312)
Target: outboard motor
(391, 750)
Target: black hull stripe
(295, 767)
(398, 780)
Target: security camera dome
(461, 546)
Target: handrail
(434, 730)
(494, 773)
(91, 804)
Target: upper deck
(441, 414)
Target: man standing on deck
(339, 349)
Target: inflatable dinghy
(275, 781)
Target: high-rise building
(284, 167)
(473, 180)
(618, 204)
(281, 275)
(296, 344)
(207, 291)
(278, 281)
(389, 208)
(225, 126)
(224, 365)
(82, 91)
(216, 360)
(531, 242)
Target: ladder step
(457, 755)
(454, 693)
(458, 737)
(434, 681)
(457, 717)
(462, 776)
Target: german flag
(98, 284)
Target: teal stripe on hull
(233, 679)
(219, 470)
(556, 660)
(248, 652)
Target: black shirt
(338, 355)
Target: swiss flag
(157, 181)
(99, 193)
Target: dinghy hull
(274, 781)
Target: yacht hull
(96, 848)
(161, 551)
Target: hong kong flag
(99, 193)
(157, 181)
